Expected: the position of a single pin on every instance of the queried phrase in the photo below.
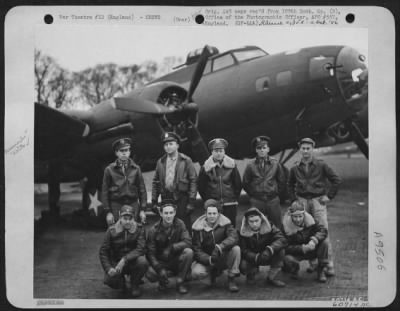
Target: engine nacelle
(339, 132)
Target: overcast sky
(76, 47)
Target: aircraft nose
(352, 75)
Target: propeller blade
(140, 105)
(200, 151)
(198, 72)
(358, 138)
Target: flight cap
(170, 136)
(120, 143)
(260, 141)
(126, 210)
(306, 140)
(217, 143)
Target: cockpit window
(249, 54)
(222, 62)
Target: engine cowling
(339, 131)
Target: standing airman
(123, 184)
(175, 179)
(219, 179)
(264, 181)
(308, 183)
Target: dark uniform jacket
(119, 242)
(159, 239)
(184, 181)
(268, 239)
(205, 238)
(312, 183)
(221, 183)
(297, 236)
(264, 183)
(123, 188)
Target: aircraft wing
(55, 132)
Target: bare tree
(168, 64)
(99, 83)
(44, 67)
(61, 88)
(128, 78)
(147, 72)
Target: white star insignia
(94, 203)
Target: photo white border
(19, 123)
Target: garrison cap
(296, 208)
(126, 210)
(306, 140)
(122, 142)
(170, 136)
(212, 203)
(217, 143)
(260, 141)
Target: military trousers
(276, 261)
(179, 265)
(319, 212)
(230, 211)
(228, 260)
(135, 269)
(270, 208)
(321, 253)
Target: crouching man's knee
(199, 271)
(187, 253)
(151, 275)
(142, 263)
(235, 251)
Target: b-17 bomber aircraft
(319, 92)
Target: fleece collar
(245, 229)
(119, 228)
(227, 162)
(202, 224)
(289, 226)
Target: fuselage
(241, 98)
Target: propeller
(185, 111)
(357, 137)
(198, 72)
(142, 105)
(199, 148)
